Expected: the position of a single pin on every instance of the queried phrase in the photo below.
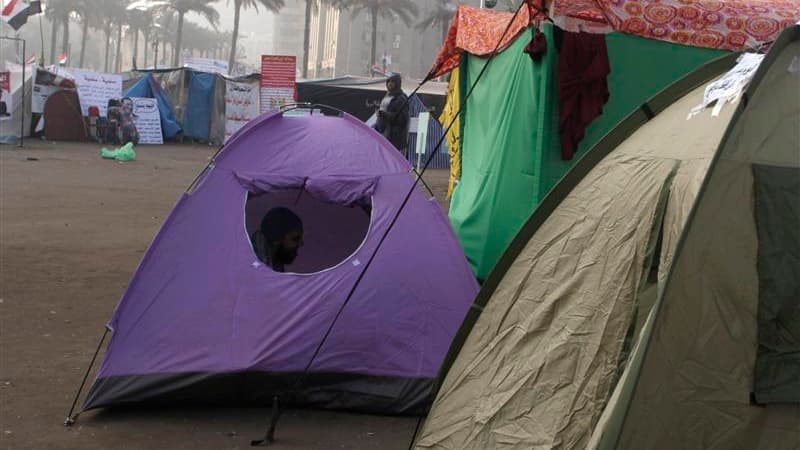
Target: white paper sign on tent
(147, 119)
(41, 92)
(96, 89)
(241, 105)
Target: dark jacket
(393, 120)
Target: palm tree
(59, 13)
(442, 14)
(406, 10)
(110, 13)
(181, 7)
(88, 13)
(271, 5)
(140, 20)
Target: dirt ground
(72, 230)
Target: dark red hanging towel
(582, 88)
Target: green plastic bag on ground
(124, 153)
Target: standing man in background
(393, 114)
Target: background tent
(650, 302)
(510, 144)
(148, 87)
(358, 95)
(204, 320)
(16, 125)
(197, 98)
(199, 103)
(63, 120)
(435, 131)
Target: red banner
(5, 95)
(278, 81)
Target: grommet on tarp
(537, 47)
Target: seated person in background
(278, 238)
(127, 128)
(112, 122)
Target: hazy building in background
(339, 42)
(287, 34)
(323, 42)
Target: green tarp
(510, 144)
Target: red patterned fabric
(735, 25)
(476, 31)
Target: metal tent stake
(269, 438)
(70, 417)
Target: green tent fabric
(510, 144)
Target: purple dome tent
(204, 320)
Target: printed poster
(6, 99)
(241, 106)
(96, 89)
(278, 81)
(41, 92)
(147, 119)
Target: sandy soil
(72, 230)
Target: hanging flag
(16, 12)
(62, 58)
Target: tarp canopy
(735, 25)
(634, 310)
(204, 319)
(148, 87)
(358, 95)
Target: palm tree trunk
(107, 32)
(118, 62)
(135, 47)
(373, 55)
(53, 32)
(307, 36)
(176, 51)
(84, 38)
(164, 52)
(146, 47)
(65, 37)
(236, 12)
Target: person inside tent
(279, 238)
(393, 113)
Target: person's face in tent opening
(288, 247)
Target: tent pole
(22, 121)
(70, 417)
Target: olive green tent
(651, 301)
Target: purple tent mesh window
(202, 320)
(331, 232)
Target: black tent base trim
(336, 391)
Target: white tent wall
(699, 366)
(15, 125)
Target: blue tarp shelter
(148, 87)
